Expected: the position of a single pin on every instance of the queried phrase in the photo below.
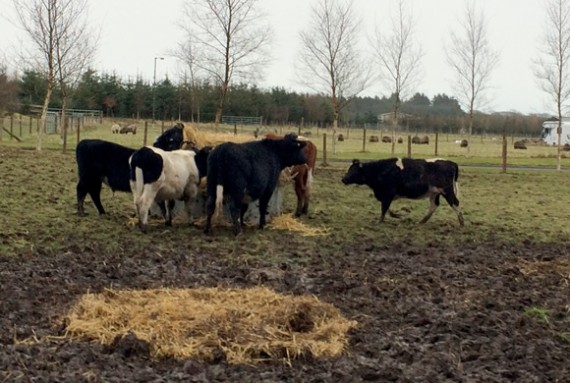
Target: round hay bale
(244, 326)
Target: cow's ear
(356, 162)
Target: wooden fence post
(145, 132)
(325, 149)
(504, 154)
(436, 142)
(78, 131)
(31, 120)
(364, 140)
(11, 127)
(409, 146)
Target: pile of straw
(246, 325)
(288, 222)
(203, 138)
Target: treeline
(196, 102)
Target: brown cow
(340, 137)
(387, 139)
(519, 145)
(464, 143)
(302, 175)
(374, 139)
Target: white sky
(133, 32)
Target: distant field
(484, 150)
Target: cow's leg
(386, 202)
(168, 206)
(263, 203)
(235, 212)
(300, 192)
(81, 194)
(452, 200)
(95, 194)
(433, 203)
(210, 209)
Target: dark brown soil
(425, 315)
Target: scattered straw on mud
(559, 266)
(288, 222)
(246, 325)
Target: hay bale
(245, 325)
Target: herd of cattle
(239, 173)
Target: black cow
(100, 161)
(408, 178)
(247, 172)
(172, 138)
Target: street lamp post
(154, 86)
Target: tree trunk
(43, 118)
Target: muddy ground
(430, 311)
(417, 323)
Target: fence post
(436, 142)
(162, 127)
(409, 146)
(145, 132)
(504, 155)
(235, 129)
(325, 149)
(11, 127)
(78, 131)
(20, 122)
(31, 120)
(363, 139)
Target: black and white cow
(160, 176)
(408, 178)
(101, 161)
(247, 172)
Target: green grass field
(38, 201)
(484, 150)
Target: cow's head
(289, 150)
(171, 139)
(354, 174)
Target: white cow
(157, 175)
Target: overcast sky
(133, 32)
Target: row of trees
(134, 99)
(226, 44)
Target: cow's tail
(455, 182)
(139, 183)
(219, 200)
(309, 182)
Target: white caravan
(549, 134)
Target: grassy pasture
(38, 204)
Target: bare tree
(75, 47)
(38, 18)
(186, 53)
(399, 57)
(229, 39)
(330, 60)
(472, 59)
(59, 43)
(553, 66)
